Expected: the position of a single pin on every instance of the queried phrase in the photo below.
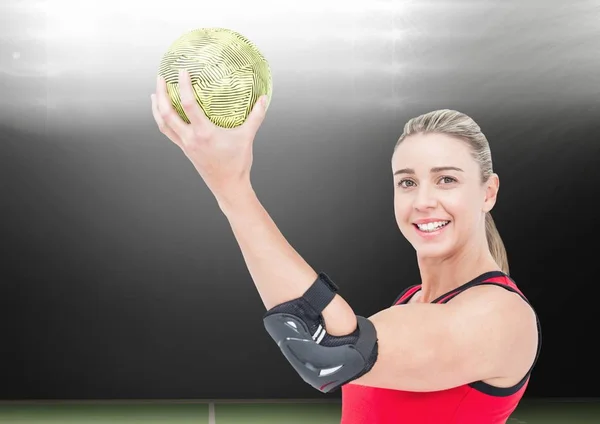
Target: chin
(434, 245)
(432, 252)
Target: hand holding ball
(227, 71)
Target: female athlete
(457, 348)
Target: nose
(424, 199)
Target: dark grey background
(120, 278)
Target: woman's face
(439, 198)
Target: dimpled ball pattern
(227, 71)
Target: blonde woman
(458, 347)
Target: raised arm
(413, 347)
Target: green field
(250, 412)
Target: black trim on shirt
(403, 293)
(481, 386)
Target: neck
(439, 276)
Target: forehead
(424, 151)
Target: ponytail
(495, 243)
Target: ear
(492, 186)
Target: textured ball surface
(228, 74)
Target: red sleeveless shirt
(474, 403)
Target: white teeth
(432, 226)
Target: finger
(189, 103)
(257, 115)
(166, 110)
(162, 126)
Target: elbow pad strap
(320, 293)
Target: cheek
(461, 205)
(402, 210)
(455, 204)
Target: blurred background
(120, 277)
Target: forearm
(279, 272)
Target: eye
(447, 180)
(406, 183)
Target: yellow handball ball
(228, 74)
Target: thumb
(257, 115)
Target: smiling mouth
(432, 226)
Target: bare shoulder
(485, 334)
(494, 302)
(511, 323)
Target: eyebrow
(433, 170)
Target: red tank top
(475, 403)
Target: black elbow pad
(325, 362)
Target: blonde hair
(459, 125)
